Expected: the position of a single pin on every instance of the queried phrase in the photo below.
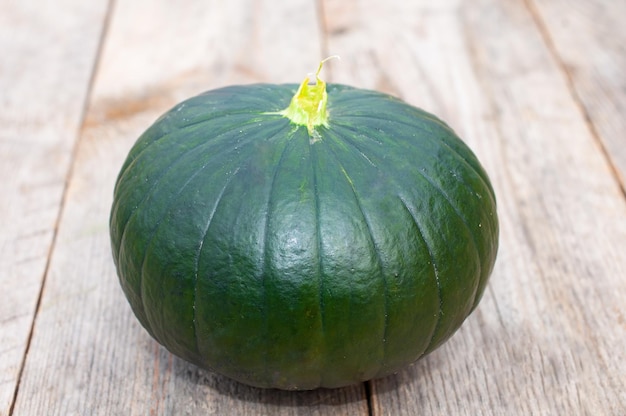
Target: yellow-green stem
(308, 105)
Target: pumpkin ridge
(191, 150)
(148, 242)
(155, 231)
(477, 171)
(133, 157)
(456, 210)
(266, 237)
(380, 265)
(428, 178)
(374, 246)
(162, 174)
(435, 272)
(199, 251)
(241, 168)
(482, 274)
(349, 142)
(476, 168)
(430, 183)
(320, 263)
(484, 279)
(490, 222)
(160, 220)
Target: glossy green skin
(247, 247)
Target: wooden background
(536, 87)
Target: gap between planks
(68, 178)
(571, 86)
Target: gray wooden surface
(536, 87)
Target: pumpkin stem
(308, 105)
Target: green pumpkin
(300, 241)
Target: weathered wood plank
(550, 334)
(89, 355)
(48, 54)
(588, 37)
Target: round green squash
(301, 241)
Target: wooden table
(536, 87)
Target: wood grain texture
(588, 38)
(549, 336)
(43, 46)
(89, 355)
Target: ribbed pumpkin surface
(247, 246)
